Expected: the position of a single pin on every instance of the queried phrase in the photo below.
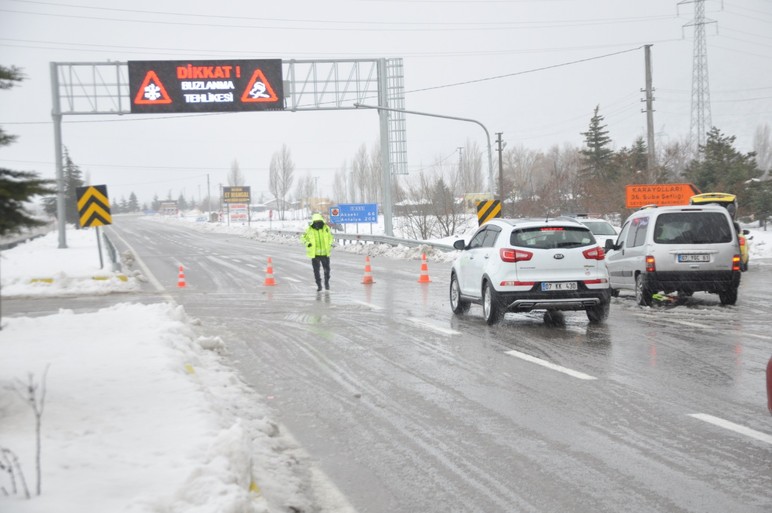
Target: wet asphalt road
(407, 408)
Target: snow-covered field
(140, 413)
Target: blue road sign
(354, 213)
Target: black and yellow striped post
(487, 210)
(94, 210)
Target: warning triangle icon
(258, 89)
(152, 91)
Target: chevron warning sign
(487, 210)
(93, 206)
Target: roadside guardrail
(351, 238)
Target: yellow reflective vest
(318, 242)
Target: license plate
(559, 285)
(694, 258)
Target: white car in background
(602, 229)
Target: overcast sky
(532, 69)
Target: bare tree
(447, 208)
(9, 463)
(281, 176)
(340, 185)
(375, 181)
(519, 167)
(416, 219)
(470, 176)
(673, 160)
(305, 191)
(235, 176)
(34, 395)
(360, 168)
(762, 145)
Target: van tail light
(595, 253)
(514, 255)
(736, 263)
(650, 265)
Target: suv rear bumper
(580, 300)
(693, 281)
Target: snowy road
(406, 408)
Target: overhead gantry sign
(205, 86)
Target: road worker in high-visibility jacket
(318, 241)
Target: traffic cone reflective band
(368, 278)
(424, 278)
(269, 281)
(181, 278)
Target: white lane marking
(549, 365)
(145, 269)
(368, 305)
(763, 337)
(706, 326)
(432, 327)
(737, 428)
(691, 324)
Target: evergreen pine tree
(596, 155)
(133, 203)
(723, 168)
(17, 187)
(72, 180)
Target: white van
(676, 249)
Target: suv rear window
(551, 237)
(692, 228)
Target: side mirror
(459, 244)
(609, 245)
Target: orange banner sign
(660, 194)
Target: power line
(361, 25)
(534, 70)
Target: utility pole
(651, 162)
(460, 175)
(500, 148)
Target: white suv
(676, 249)
(520, 265)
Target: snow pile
(33, 270)
(135, 420)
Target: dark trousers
(324, 262)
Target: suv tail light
(736, 263)
(650, 265)
(595, 253)
(514, 255)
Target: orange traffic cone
(181, 278)
(424, 278)
(269, 281)
(368, 278)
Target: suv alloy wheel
(458, 305)
(490, 304)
